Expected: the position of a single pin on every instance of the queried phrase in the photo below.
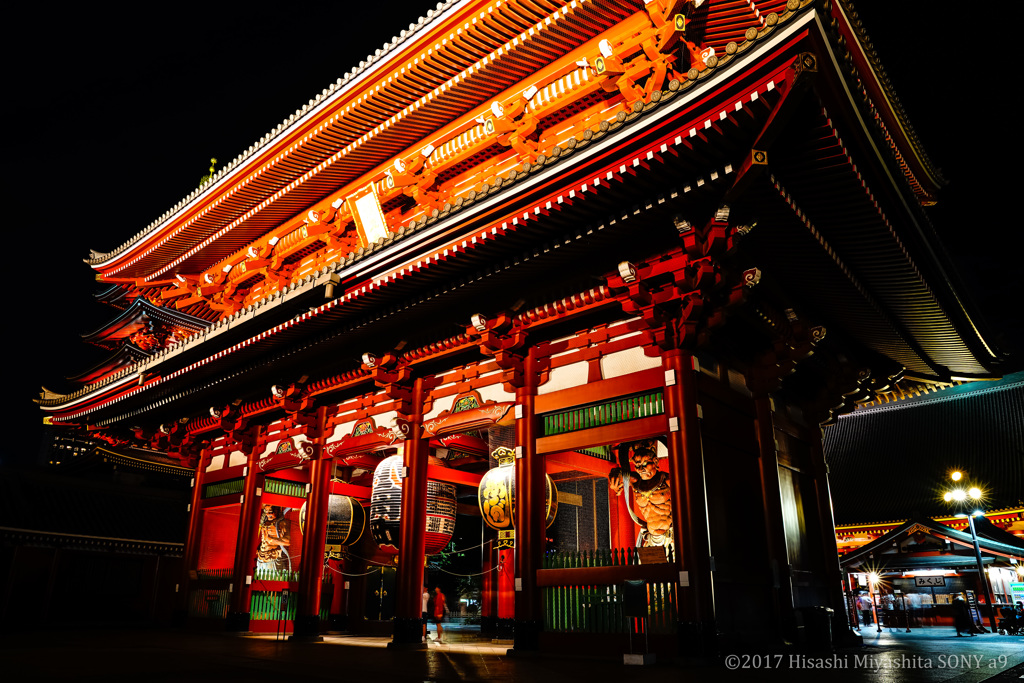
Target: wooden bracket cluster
(501, 339)
(393, 377)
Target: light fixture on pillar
(386, 508)
(972, 496)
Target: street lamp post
(873, 582)
(982, 575)
(959, 496)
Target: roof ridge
(302, 113)
(888, 90)
(947, 394)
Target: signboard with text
(930, 581)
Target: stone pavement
(924, 656)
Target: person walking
(425, 610)
(864, 605)
(439, 610)
(961, 616)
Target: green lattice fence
(219, 573)
(222, 488)
(585, 608)
(270, 606)
(601, 414)
(276, 574)
(285, 487)
(208, 604)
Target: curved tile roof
(888, 92)
(892, 462)
(346, 131)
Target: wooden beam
(453, 476)
(633, 430)
(603, 390)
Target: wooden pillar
(307, 613)
(774, 527)
(191, 554)
(339, 611)
(505, 595)
(530, 515)
(624, 530)
(833, 572)
(408, 625)
(489, 589)
(245, 546)
(689, 507)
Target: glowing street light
(975, 493)
(874, 581)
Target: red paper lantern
(386, 508)
(496, 494)
(346, 521)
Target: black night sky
(112, 118)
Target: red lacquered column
(307, 615)
(192, 540)
(408, 627)
(245, 547)
(689, 506)
(530, 516)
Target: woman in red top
(439, 610)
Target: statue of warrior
(652, 495)
(275, 537)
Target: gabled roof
(446, 64)
(127, 354)
(137, 317)
(991, 539)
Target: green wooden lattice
(285, 487)
(601, 414)
(223, 488)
